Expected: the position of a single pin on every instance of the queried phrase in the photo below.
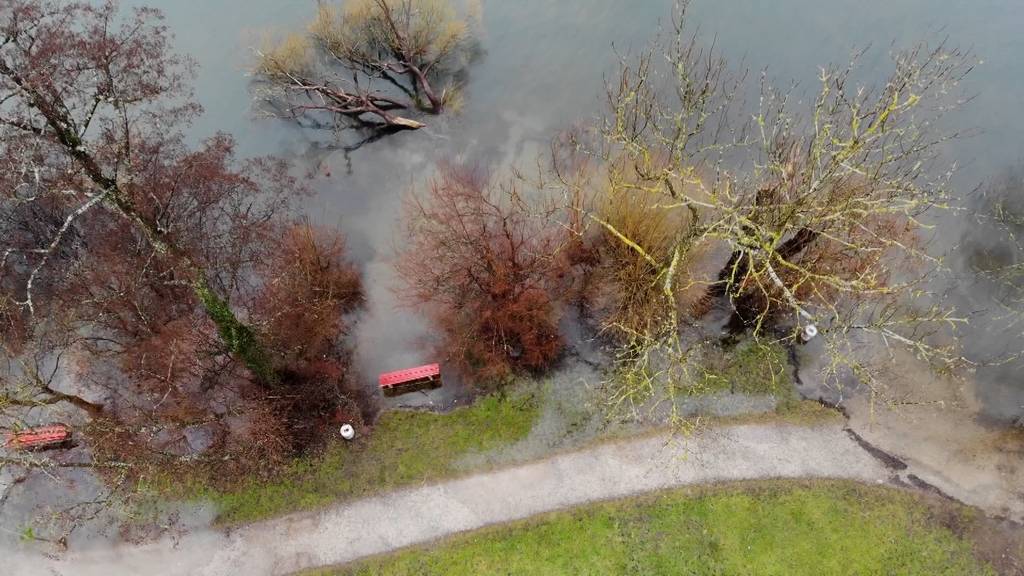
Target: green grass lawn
(763, 529)
(404, 448)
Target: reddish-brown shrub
(484, 267)
(309, 286)
(162, 265)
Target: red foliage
(485, 269)
(112, 227)
(308, 288)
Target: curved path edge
(417, 515)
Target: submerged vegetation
(484, 268)
(363, 63)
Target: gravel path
(415, 515)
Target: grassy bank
(415, 447)
(763, 529)
(404, 448)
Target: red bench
(411, 379)
(35, 438)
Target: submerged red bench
(42, 437)
(411, 379)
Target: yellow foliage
(290, 56)
(630, 279)
(424, 30)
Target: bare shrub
(627, 294)
(484, 267)
(309, 287)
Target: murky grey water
(542, 71)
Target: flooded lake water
(542, 71)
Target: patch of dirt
(933, 425)
(998, 541)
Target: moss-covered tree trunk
(240, 339)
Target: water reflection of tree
(995, 248)
(993, 255)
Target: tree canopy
(366, 63)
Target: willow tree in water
(822, 231)
(369, 62)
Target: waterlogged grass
(404, 448)
(765, 529)
(751, 367)
(415, 447)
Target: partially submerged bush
(627, 290)
(362, 64)
(484, 268)
(309, 288)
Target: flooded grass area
(528, 421)
(765, 528)
(405, 447)
(751, 367)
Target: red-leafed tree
(169, 269)
(484, 267)
(309, 289)
(93, 108)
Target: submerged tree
(484, 267)
(368, 62)
(137, 262)
(824, 228)
(91, 118)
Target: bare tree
(825, 226)
(144, 260)
(485, 267)
(413, 49)
(93, 133)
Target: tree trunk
(795, 245)
(52, 396)
(239, 338)
(744, 309)
(436, 102)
